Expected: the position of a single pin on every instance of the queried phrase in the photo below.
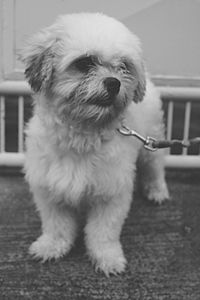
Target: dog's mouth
(97, 111)
(106, 109)
(104, 101)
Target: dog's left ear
(140, 75)
(38, 56)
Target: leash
(153, 144)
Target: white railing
(169, 94)
(188, 95)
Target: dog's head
(89, 67)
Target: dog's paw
(157, 192)
(109, 259)
(46, 248)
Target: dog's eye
(123, 67)
(84, 64)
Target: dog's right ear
(38, 56)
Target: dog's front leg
(152, 175)
(103, 233)
(58, 227)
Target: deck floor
(161, 243)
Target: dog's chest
(94, 174)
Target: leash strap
(152, 144)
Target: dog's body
(89, 78)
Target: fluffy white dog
(89, 78)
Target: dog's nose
(112, 85)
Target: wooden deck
(161, 243)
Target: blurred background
(168, 29)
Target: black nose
(113, 85)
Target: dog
(89, 79)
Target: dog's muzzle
(112, 86)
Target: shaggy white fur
(75, 155)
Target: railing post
(20, 124)
(2, 124)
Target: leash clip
(152, 144)
(148, 141)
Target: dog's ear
(140, 75)
(38, 56)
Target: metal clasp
(148, 141)
(149, 144)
